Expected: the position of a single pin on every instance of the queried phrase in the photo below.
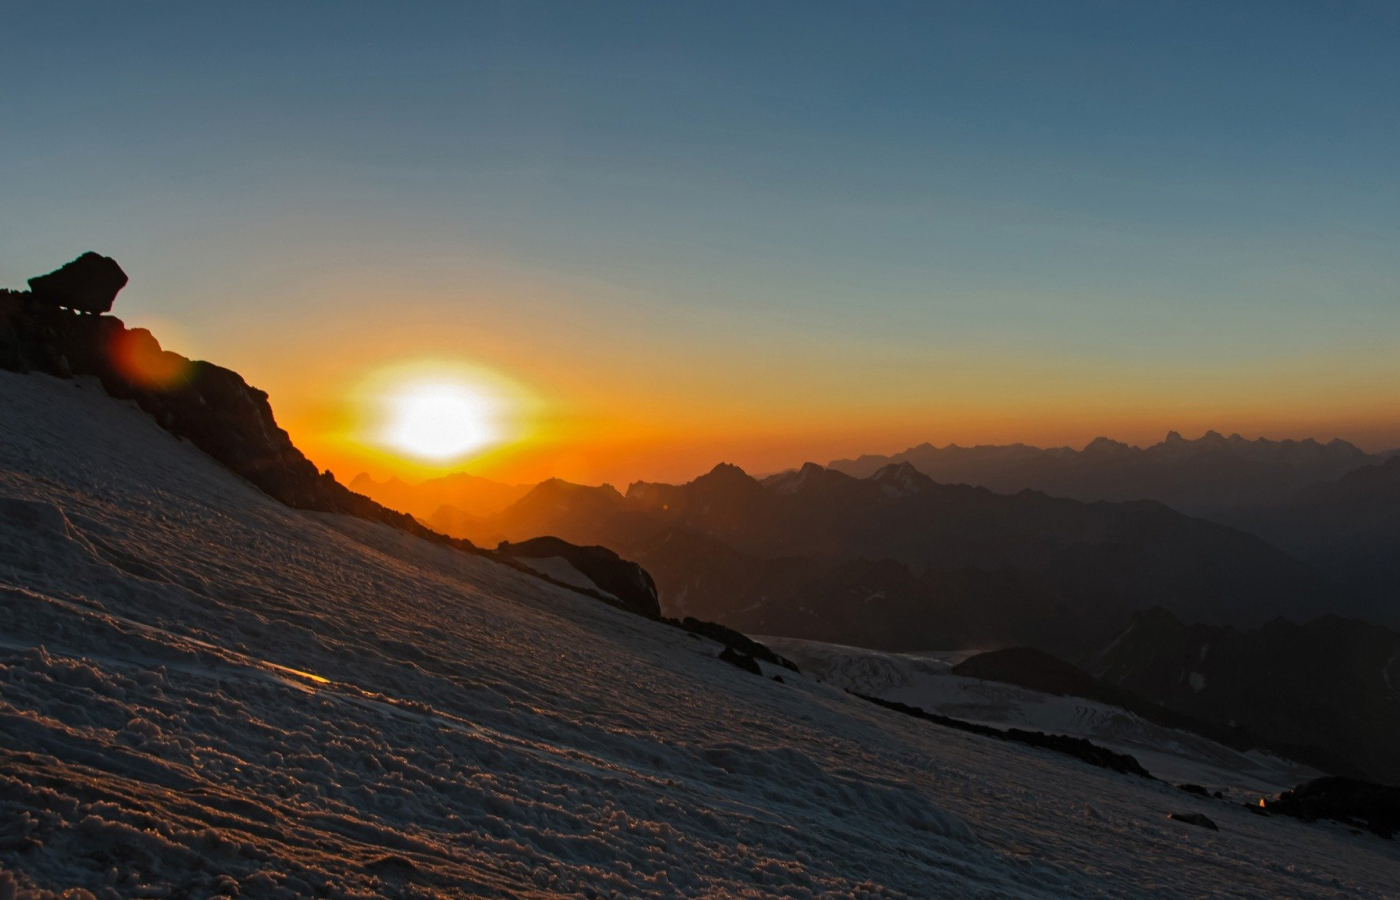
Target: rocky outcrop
(1200, 820)
(734, 641)
(59, 328)
(740, 660)
(620, 579)
(1079, 748)
(47, 330)
(88, 284)
(1375, 807)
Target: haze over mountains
(1208, 475)
(1282, 491)
(459, 495)
(900, 561)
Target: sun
(438, 414)
(440, 420)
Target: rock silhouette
(1197, 819)
(88, 284)
(1079, 748)
(57, 328)
(1375, 807)
(620, 579)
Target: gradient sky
(757, 232)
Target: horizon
(653, 238)
(621, 484)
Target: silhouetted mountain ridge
(1200, 476)
(904, 561)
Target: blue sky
(1116, 190)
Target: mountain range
(1331, 505)
(1205, 476)
(899, 561)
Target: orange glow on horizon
(619, 452)
(614, 408)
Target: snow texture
(204, 693)
(926, 680)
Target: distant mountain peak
(900, 479)
(1105, 445)
(790, 482)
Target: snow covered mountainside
(206, 693)
(927, 680)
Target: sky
(679, 233)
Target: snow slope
(205, 693)
(926, 680)
(561, 570)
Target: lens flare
(137, 355)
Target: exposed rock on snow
(1035, 692)
(1079, 748)
(622, 580)
(1375, 807)
(741, 660)
(732, 639)
(1198, 819)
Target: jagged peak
(560, 486)
(725, 470)
(1105, 445)
(894, 470)
(900, 479)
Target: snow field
(204, 693)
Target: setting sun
(437, 413)
(440, 421)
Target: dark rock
(1195, 789)
(741, 643)
(621, 579)
(1375, 807)
(779, 679)
(1039, 671)
(741, 660)
(1079, 748)
(1194, 819)
(392, 866)
(88, 284)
